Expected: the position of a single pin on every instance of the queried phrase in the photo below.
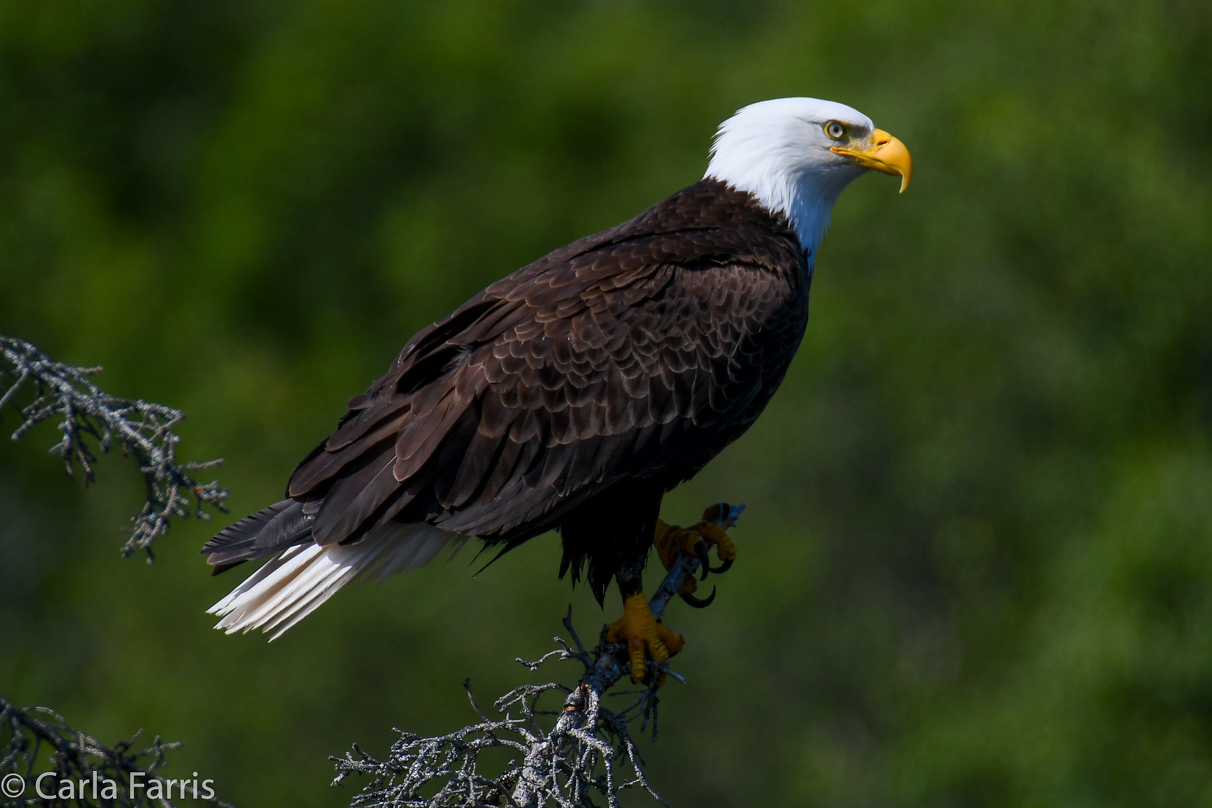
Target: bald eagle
(574, 393)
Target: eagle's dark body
(570, 395)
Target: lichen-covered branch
(83, 771)
(91, 420)
(565, 754)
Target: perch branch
(587, 751)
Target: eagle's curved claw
(698, 603)
(722, 568)
(700, 550)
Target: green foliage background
(977, 565)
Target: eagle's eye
(836, 130)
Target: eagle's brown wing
(639, 352)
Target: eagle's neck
(806, 198)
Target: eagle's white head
(796, 155)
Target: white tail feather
(294, 583)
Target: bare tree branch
(144, 429)
(94, 774)
(587, 752)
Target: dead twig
(91, 420)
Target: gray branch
(87, 415)
(587, 752)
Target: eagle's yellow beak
(884, 153)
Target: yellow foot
(694, 540)
(638, 627)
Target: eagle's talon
(639, 629)
(695, 540)
(698, 603)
